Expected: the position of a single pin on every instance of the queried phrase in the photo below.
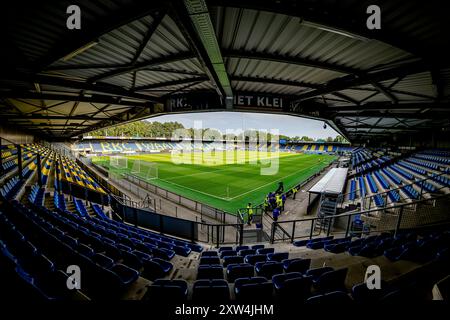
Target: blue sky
(287, 125)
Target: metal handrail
(349, 215)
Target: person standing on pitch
(283, 201)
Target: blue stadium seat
(317, 272)
(279, 279)
(361, 293)
(257, 246)
(209, 272)
(254, 258)
(227, 253)
(126, 275)
(239, 248)
(292, 286)
(296, 265)
(265, 250)
(132, 260)
(277, 256)
(165, 265)
(210, 260)
(300, 243)
(242, 270)
(268, 269)
(211, 291)
(335, 297)
(253, 289)
(331, 280)
(182, 251)
(232, 260)
(103, 260)
(246, 252)
(167, 290)
(210, 254)
(152, 270)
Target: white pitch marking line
(231, 198)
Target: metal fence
(204, 210)
(408, 215)
(211, 233)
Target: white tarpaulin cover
(332, 182)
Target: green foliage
(157, 129)
(140, 129)
(340, 139)
(305, 138)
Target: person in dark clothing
(275, 214)
(280, 187)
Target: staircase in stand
(327, 207)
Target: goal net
(118, 162)
(145, 169)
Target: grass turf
(209, 179)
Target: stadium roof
(130, 57)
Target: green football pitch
(227, 180)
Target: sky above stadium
(287, 125)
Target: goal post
(118, 162)
(145, 169)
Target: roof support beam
(375, 127)
(84, 67)
(62, 82)
(344, 20)
(122, 118)
(157, 18)
(398, 115)
(290, 83)
(142, 65)
(351, 81)
(14, 116)
(96, 98)
(291, 60)
(93, 31)
(375, 106)
(182, 88)
(32, 126)
(385, 91)
(193, 19)
(171, 83)
(274, 81)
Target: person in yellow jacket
(294, 192)
(266, 204)
(279, 202)
(249, 213)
